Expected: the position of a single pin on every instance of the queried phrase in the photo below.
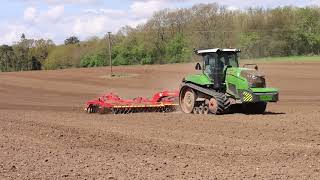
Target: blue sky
(58, 19)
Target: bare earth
(45, 134)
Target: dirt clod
(13, 168)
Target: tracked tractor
(222, 86)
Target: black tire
(254, 108)
(222, 104)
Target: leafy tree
(94, 60)
(60, 57)
(248, 43)
(21, 51)
(65, 56)
(72, 40)
(23, 36)
(7, 59)
(177, 49)
(35, 64)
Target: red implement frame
(165, 101)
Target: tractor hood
(253, 78)
(251, 74)
(244, 72)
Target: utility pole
(110, 54)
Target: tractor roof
(205, 51)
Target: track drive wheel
(187, 100)
(219, 104)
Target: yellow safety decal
(247, 97)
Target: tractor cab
(219, 57)
(215, 63)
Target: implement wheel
(187, 100)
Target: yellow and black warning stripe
(247, 97)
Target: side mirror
(198, 67)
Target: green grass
(286, 59)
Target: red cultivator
(110, 103)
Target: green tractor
(223, 86)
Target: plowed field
(44, 133)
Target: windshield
(220, 60)
(229, 59)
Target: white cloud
(30, 13)
(57, 23)
(232, 8)
(11, 33)
(50, 2)
(314, 2)
(144, 9)
(99, 21)
(89, 26)
(55, 12)
(114, 13)
(71, 1)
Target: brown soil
(44, 133)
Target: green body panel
(233, 78)
(265, 94)
(237, 85)
(200, 79)
(264, 90)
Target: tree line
(170, 36)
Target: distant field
(285, 59)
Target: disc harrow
(165, 101)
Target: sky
(59, 19)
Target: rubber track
(223, 103)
